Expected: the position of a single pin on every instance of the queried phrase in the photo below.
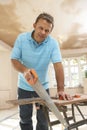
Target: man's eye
(41, 28)
(47, 31)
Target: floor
(9, 119)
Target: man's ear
(34, 25)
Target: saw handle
(33, 78)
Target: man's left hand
(63, 96)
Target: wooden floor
(9, 119)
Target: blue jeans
(27, 110)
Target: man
(36, 50)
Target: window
(73, 71)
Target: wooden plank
(26, 101)
(82, 98)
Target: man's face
(42, 30)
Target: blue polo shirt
(36, 56)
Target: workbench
(73, 106)
(62, 105)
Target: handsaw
(37, 86)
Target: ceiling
(70, 17)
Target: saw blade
(49, 102)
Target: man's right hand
(31, 76)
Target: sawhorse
(62, 106)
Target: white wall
(71, 91)
(8, 79)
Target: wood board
(82, 98)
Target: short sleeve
(56, 54)
(16, 51)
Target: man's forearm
(18, 66)
(59, 74)
(60, 81)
